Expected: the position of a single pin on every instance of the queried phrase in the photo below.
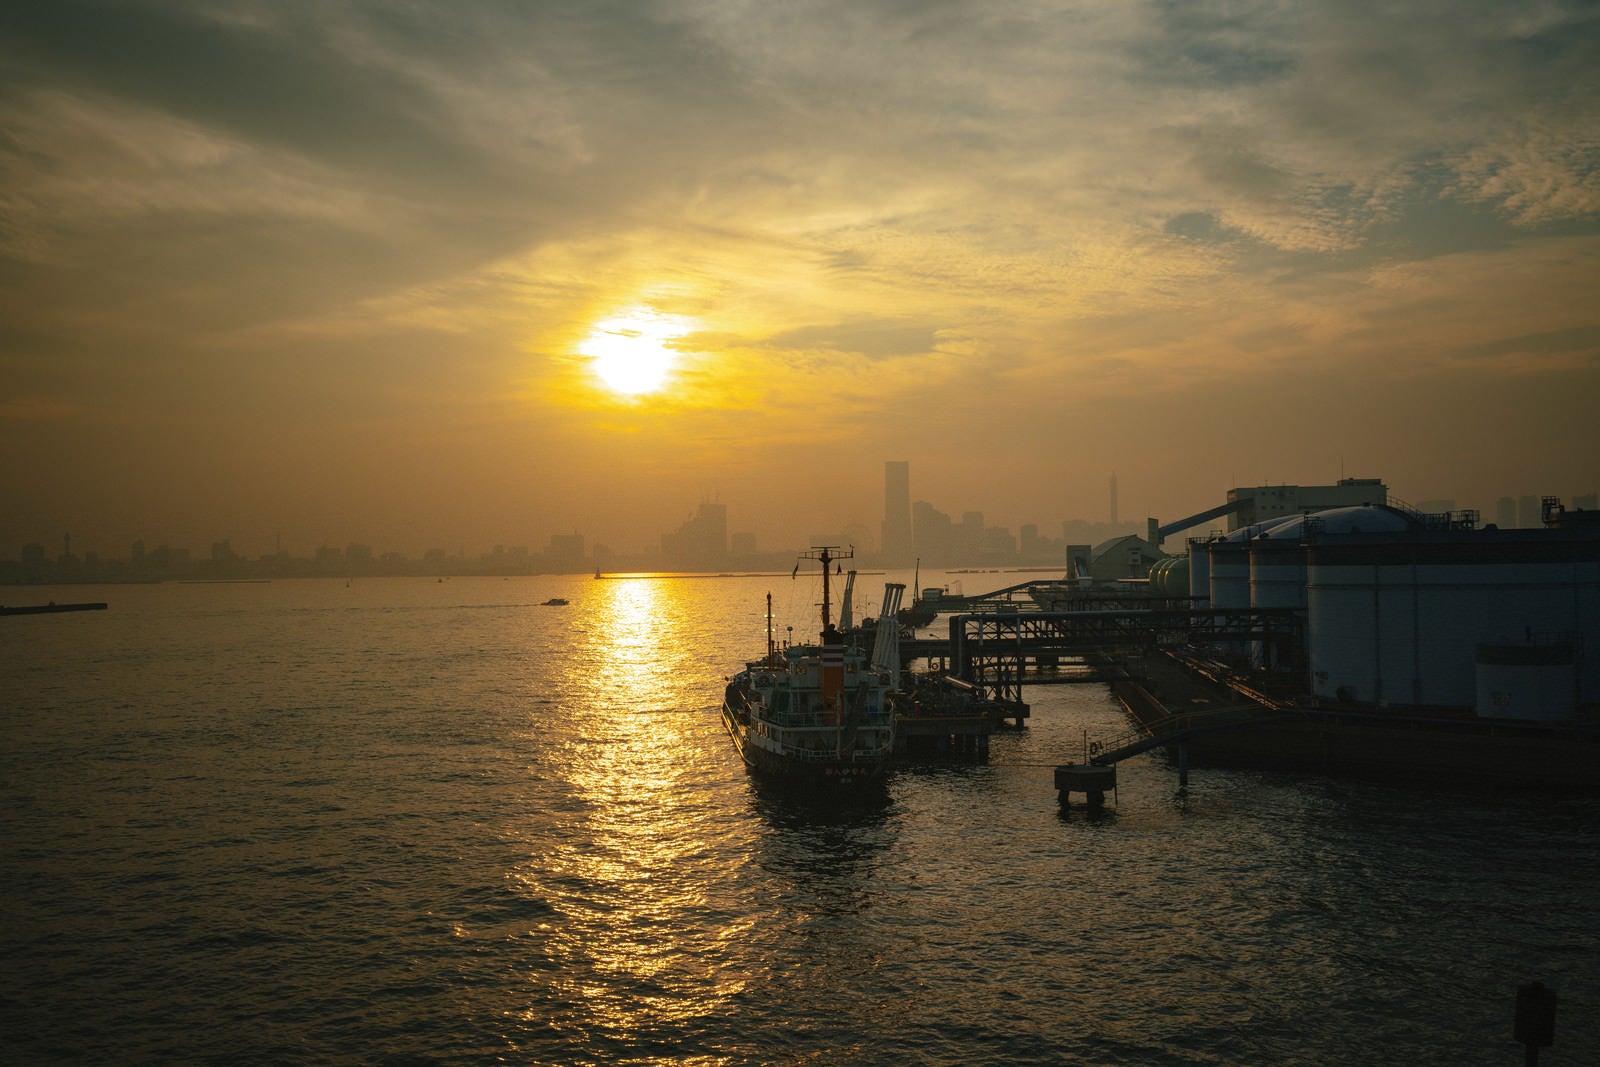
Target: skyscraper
(897, 543)
(701, 543)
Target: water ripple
(439, 823)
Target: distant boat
(555, 602)
(817, 713)
(925, 608)
(925, 602)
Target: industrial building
(1419, 612)
(1261, 503)
(1123, 557)
(1251, 507)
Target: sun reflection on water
(644, 836)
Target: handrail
(1174, 728)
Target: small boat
(925, 608)
(819, 713)
(926, 603)
(555, 602)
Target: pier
(1092, 780)
(947, 716)
(991, 655)
(51, 608)
(1001, 651)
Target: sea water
(420, 821)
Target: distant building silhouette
(934, 533)
(701, 543)
(1505, 513)
(565, 554)
(896, 537)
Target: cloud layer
(334, 244)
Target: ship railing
(856, 755)
(824, 738)
(882, 715)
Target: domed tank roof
(1256, 529)
(1356, 518)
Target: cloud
(1198, 226)
(1018, 210)
(1577, 347)
(872, 338)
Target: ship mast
(827, 555)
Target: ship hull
(776, 766)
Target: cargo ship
(818, 712)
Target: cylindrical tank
(1277, 563)
(1200, 567)
(1396, 619)
(1277, 567)
(1230, 564)
(1162, 582)
(1534, 682)
(1175, 576)
(1152, 576)
(1230, 572)
(1278, 556)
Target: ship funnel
(832, 672)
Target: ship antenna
(825, 555)
(826, 559)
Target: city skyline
(707, 539)
(424, 275)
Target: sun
(631, 352)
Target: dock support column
(1091, 780)
(1183, 764)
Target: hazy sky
(347, 271)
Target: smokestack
(832, 673)
(1113, 498)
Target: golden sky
(339, 272)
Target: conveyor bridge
(1175, 729)
(993, 650)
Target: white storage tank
(1528, 681)
(1277, 569)
(1200, 567)
(1397, 619)
(1229, 564)
(1278, 557)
